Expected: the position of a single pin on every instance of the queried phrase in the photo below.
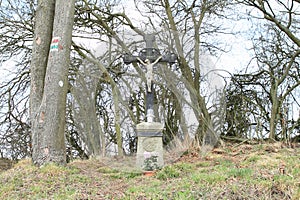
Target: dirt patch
(106, 178)
(5, 164)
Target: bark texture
(49, 123)
(41, 45)
(84, 107)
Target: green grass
(252, 159)
(242, 173)
(250, 175)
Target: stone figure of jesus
(149, 67)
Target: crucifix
(149, 73)
(149, 57)
(149, 133)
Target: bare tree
(276, 48)
(186, 24)
(179, 27)
(16, 33)
(84, 92)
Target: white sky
(237, 58)
(7, 69)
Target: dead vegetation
(5, 164)
(235, 171)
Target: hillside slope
(234, 172)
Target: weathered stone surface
(149, 143)
(145, 129)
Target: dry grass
(265, 171)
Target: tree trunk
(41, 45)
(117, 119)
(274, 111)
(49, 124)
(84, 105)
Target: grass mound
(266, 171)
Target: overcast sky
(236, 58)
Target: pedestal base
(150, 146)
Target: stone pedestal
(150, 143)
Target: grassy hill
(233, 172)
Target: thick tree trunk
(49, 124)
(41, 45)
